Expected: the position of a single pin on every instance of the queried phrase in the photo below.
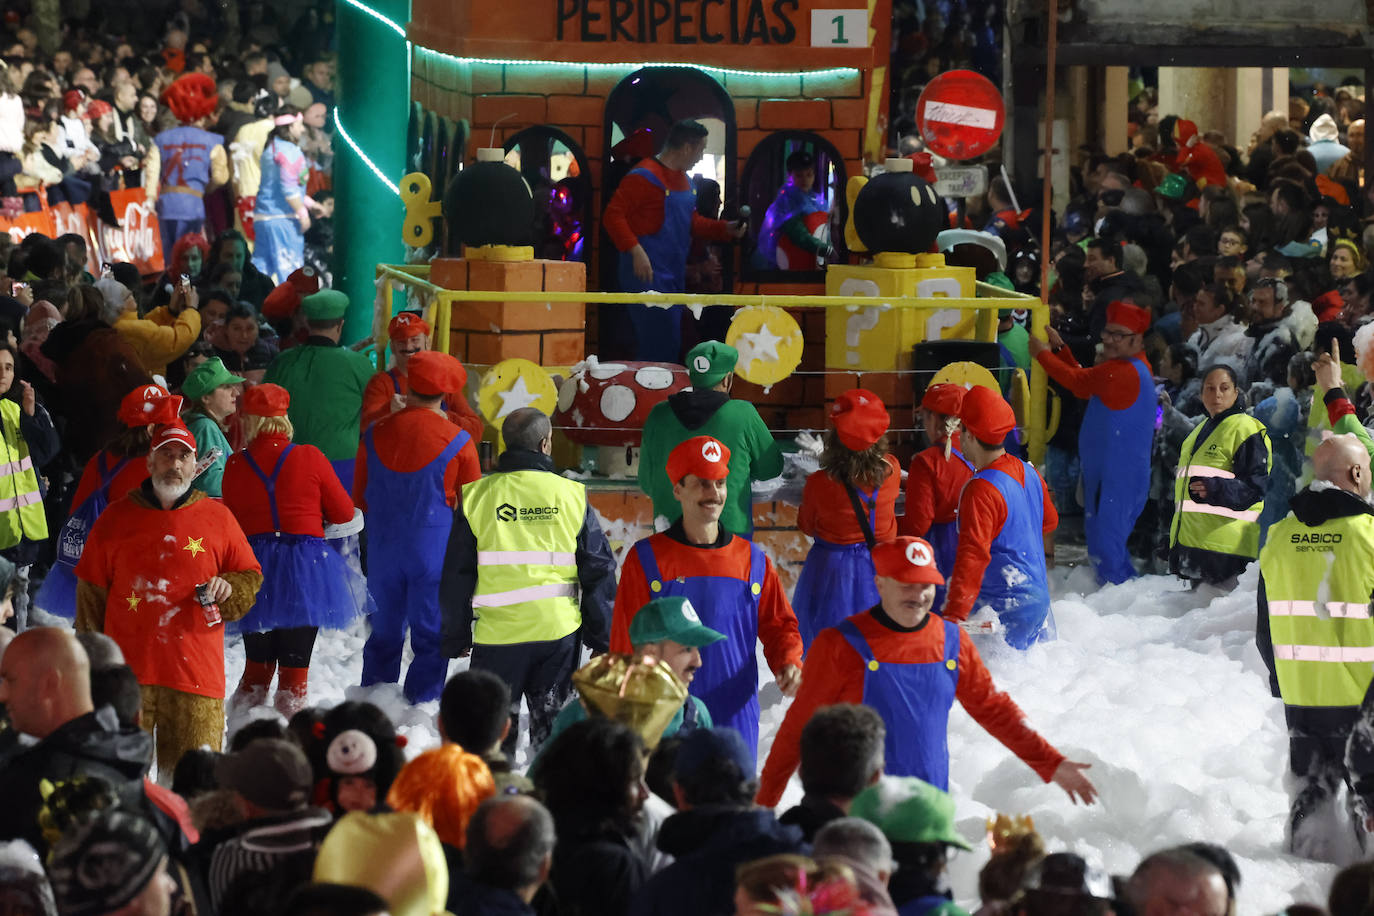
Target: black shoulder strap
(861, 515)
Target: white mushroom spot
(654, 378)
(617, 403)
(566, 393)
(603, 371)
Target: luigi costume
(918, 820)
(671, 620)
(326, 382)
(706, 409)
(214, 449)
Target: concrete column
(1198, 94)
(1116, 102)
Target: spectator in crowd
(474, 713)
(212, 395)
(861, 846)
(841, 754)
(110, 864)
(508, 857)
(160, 336)
(1175, 878)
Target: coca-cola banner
(136, 239)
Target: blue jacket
(708, 843)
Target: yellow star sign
(133, 600)
(193, 545)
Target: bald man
(45, 683)
(1316, 634)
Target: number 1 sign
(846, 28)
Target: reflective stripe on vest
(526, 524)
(1317, 585)
(21, 502)
(1204, 526)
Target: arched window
(653, 99)
(793, 183)
(555, 168)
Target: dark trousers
(541, 672)
(290, 647)
(1317, 739)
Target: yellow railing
(1036, 395)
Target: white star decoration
(517, 396)
(762, 344)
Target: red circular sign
(960, 114)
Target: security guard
(326, 383)
(729, 581)
(1316, 581)
(528, 559)
(706, 409)
(410, 468)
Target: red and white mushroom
(607, 403)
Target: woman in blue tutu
(283, 495)
(847, 506)
(110, 474)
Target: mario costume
(109, 475)
(655, 207)
(846, 522)
(185, 162)
(282, 495)
(282, 307)
(385, 392)
(410, 469)
(1114, 442)
(702, 410)
(935, 481)
(139, 575)
(734, 588)
(1005, 512)
(911, 676)
(326, 383)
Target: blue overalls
(1114, 451)
(410, 518)
(914, 701)
(658, 331)
(836, 580)
(944, 539)
(1015, 584)
(728, 681)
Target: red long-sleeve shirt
(411, 439)
(636, 208)
(782, 644)
(834, 673)
(933, 485)
(130, 477)
(308, 491)
(381, 388)
(827, 513)
(1115, 383)
(982, 513)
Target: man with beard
(731, 584)
(162, 570)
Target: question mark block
(876, 337)
(421, 212)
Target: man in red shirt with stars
(910, 666)
(411, 467)
(729, 581)
(162, 569)
(652, 219)
(1005, 512)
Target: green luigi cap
(1174, 186)
(326, 305)
(673, 619)
(709, 362)
(909, 810)
(208, 376)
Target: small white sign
(967, 115)
(846, 28)
(966, 181)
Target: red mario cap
(907, 559)
(986, 415)
(283, 301)
(1130, 316)
(431, 373)
(860, 418)
(943, 398)
(148, 404)
(701, 456)
(175, 431)
(266, 400)
(407, 325)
